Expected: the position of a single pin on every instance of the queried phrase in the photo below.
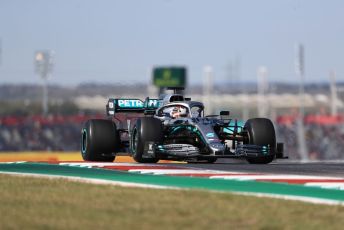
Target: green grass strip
(175, 181)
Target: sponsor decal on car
(152, 103)
(130, 103)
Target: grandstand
(22, 128)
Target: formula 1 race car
(175, 128)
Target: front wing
(185, 151)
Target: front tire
(147, 129)
(211, 160)
(99, 140)
(261, 132)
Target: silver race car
(175, 128)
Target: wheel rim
(135, 141)
(84, 142)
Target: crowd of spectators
(324, 135)
(37, 133)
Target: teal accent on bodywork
(231, 127)
(176, 129)
(190, 128)
(210, 135)
(265, 150)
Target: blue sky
(111, 41)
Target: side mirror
(224, 115)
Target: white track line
(326, 185)
(176, 171)
(88, 180)
(274, 177)
(13, 162)
(240, 175)
(297, 198)
(97, 164)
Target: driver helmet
(179, 111)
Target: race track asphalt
(324, 168)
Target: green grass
(35, 203)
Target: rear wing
(131, 105)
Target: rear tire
(147, 129)
(99, 140)
(261, 132)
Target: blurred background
(61, 60)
